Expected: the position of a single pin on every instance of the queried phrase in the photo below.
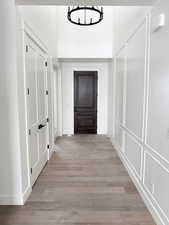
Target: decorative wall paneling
(135, 81)
(142, 114)
(120, 97)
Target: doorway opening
(85, 102)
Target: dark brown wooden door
(85, 102)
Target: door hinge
(47, 120)
(31, 170)
(26, 48)
(29, 131)
(28, 92)
(47, 92)
(46, 64)
(48, 146)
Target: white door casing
(37, 105)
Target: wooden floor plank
(84, 183)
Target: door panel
(86, 122)
(85, 91)
(42, 140)
(41, 88)
(85, 102)
(31, 83)
(36, 82)
(30, 63)
(33, 153)
(42, 102)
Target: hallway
(84, 183)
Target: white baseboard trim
(154, 212)
(15, 200)
(51, 151)
(10, 200)
(26, 194)
(56, 135)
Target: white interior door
(37, 105)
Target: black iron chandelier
(85, 15)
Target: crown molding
(87, 2)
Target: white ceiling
(86, 2)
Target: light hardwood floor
(84, 183)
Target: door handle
(41, 126)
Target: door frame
(25, 29)
(95, 72)
(68, 66)
(31, 37)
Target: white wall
(10, 166)
(142, 110)
(126, 19)
(68, 93)
(84, 42)
(14, 168)
(23, 129)
(67, 40)
(43, 21)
